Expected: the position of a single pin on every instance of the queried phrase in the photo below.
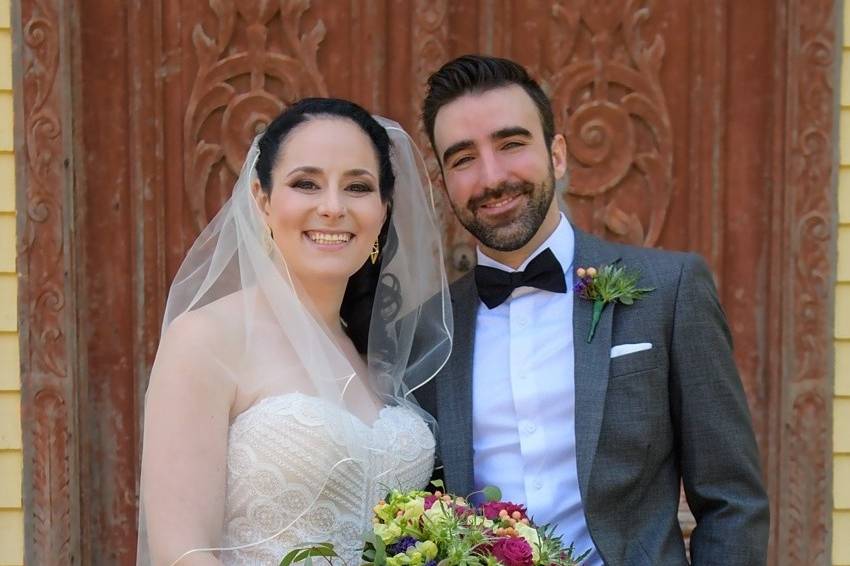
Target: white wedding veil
(237, 317)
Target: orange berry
(524, 521)
(438, 493)
(581, 272)
(516, 515)
(591, 271)
(503, 514)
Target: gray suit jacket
(644, 422)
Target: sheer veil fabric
(236, 317)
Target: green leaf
(290, 557)
(627, 300)
(380, 552)
(438, 484)
(324, 549)
(492, 493)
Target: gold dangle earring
(268, 240)
(373, 255)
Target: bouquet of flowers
(418, 528)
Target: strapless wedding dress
(279, 453)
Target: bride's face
(325, 209)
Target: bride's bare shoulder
(205, 341)
(215, 323)
(202, 347)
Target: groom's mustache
(504, 190)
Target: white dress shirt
(523, 399)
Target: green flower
(389, 533)
(428, 549)
(439, 513)
(413, 509)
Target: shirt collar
(561, 242)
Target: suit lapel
(454, 391)
(592, 359)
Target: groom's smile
(498, 205)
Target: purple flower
(429, 501)
(401, 546)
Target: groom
(594, 435)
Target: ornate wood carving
(42, 240)
(810, 112)
(429, 45)
(606, 91)
(46, 323)
(245, 76)
(808, 501)
(50, 510)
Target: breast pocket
(636, 362)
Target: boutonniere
(608, 284)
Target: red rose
(492, 509)
(513, 551)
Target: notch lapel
(591, 360)
(454, 391)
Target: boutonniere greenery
(608, 284)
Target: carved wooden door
(706, 126)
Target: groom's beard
(519, 231)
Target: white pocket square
(623, 349)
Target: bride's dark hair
(356, 309)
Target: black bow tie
(543, 272)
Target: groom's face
(498, 172)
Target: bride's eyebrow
(358, 173)
(306, 169)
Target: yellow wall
(11, 460)
(841, 438)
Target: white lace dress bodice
(276, 448)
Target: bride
(278, 411)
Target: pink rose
(429, 501)
(492, 509)
(513, 551)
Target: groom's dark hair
(475, 74)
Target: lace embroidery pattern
(274, 449)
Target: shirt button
(529, 428)
(538, 485)
(522, 322)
